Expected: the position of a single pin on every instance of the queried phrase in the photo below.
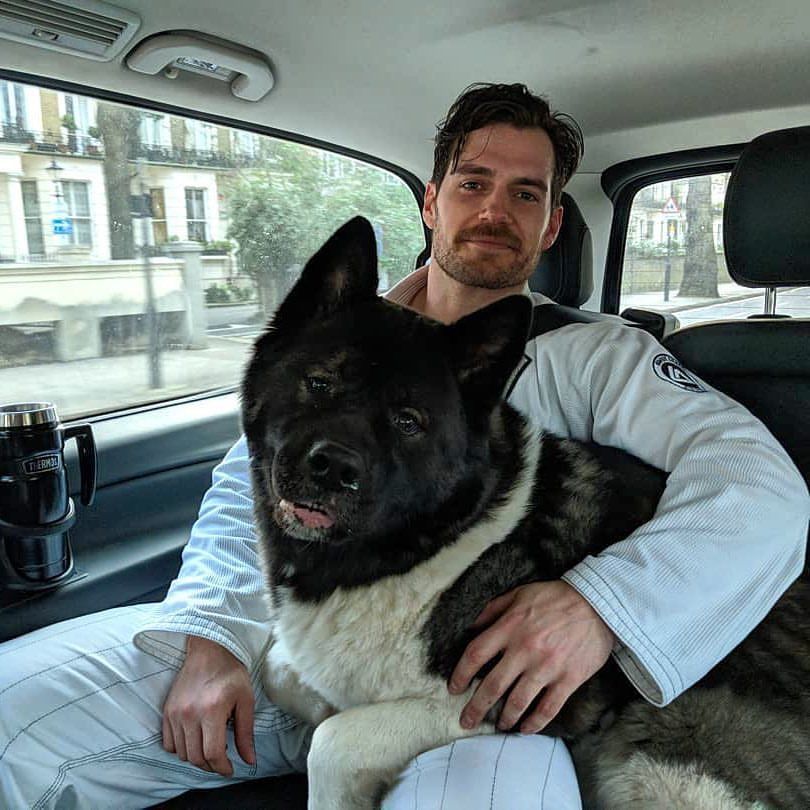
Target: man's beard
(484, 272)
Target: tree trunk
(177, 129)
(700, 263)
(119, 133)
(270, 294)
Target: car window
(141, 252)
(674, 260)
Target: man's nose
(495, 208)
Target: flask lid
(27, 414)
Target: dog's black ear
(487, 346)
(342, 273)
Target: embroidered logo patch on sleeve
(669, 369)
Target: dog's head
(364, 418)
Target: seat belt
(548, 317)
(551, 316)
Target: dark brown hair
(482, 104)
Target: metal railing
(76, 142)
(205, 158)
(73, 142)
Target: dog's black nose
(335, 466)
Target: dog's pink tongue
(311, 518)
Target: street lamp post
(143, 212)
(61, 223)
(668, 265)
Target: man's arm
(728, 538)
(214, 623)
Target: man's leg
(80, 722)
(491, 772)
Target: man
(94, 721)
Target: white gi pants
(80, 727)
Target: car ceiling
(375, 75)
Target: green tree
(389, 206)
(280, 214)
(267, 219)
(700, 261)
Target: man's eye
(528, 196)
(471, 185)
(407, 421)
(316, 383)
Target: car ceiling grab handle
(249, 75)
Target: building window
(246, 144)
(33, 218)
(195, 214)
(160, 233)
(77, 202)
(648, 233)
(202, 136)
(12, 110)
(154, 130)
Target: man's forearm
(219, 592)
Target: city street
(736, 304)
(109, 383)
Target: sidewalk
(734, 302)
(655, 300)
(81, 387)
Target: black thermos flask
(36, 510)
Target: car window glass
(674, 260)
(141, 252)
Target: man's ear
(487, 346)
(429, 205)
(553, 229)
(341, 274)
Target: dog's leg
(356, 755)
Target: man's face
(492, 217)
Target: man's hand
(551, 639)
(211, 686)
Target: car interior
(675, 101)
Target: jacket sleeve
(219, 591)
(730, 531)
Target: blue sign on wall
(62, 225)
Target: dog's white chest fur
(359, 646)
(364, 645)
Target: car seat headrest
(565, 271)
(766, 225)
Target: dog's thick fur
(396, 494)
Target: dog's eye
(407, 421)
(316, 383)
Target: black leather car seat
(764, 362)
(565, 271)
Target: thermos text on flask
(36, 510)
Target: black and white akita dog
(396, 493)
